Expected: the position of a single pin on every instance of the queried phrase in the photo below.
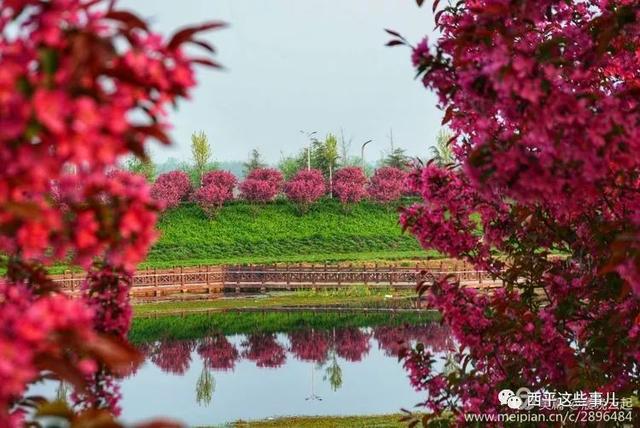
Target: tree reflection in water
(218, 353)
(309, 345)
(264, 349)
(312, 345)
(322, 348)
(171, 356)
(205, 387)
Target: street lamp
(309, 135)
(362, 152)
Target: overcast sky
(291, 65)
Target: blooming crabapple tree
(171, 188)
(305, 188)
(217, 188)
(224, 179)
(544, 101)
(77, 79)
(261, 185)
(349, 185)
(387, 184)
(211, 198)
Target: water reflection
(218, 379)
(311, 345)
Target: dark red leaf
(206, 61)
(393, 33)
(187, 33)
(204, 45)
(153, 131)
(447, 115)
(129, 19)
(116, 353)
(395, 43)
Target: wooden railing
(216, 279)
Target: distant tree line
(322, 169)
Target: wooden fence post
(364, 274)
(206, 279)
(155, 282)
(287, 275)
(377, 274)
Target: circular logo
(514, 402)
(504, 395)
(523, 394)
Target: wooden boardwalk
(201, 281)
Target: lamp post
(309, 135)
(362, 152)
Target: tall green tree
(201, 154)
(255, 161)
(396, 157)
(289, 165)
(331, 156)
(144, 167)
(441, 153)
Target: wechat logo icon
(515, 400)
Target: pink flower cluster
(387, 185)
(223, 179)
(81, 85)
(217, 188)
(171, 188)
(261, 185)
(106, 292)
(305, 188)
(349, 185)
(547, 118)
(28, 327)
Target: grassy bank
(242, 233)
(382, 421)
(353, 296)
(199, 325)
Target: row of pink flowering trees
(262, 185)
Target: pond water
(218, 378)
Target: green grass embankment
(275, 232)
(200, 325)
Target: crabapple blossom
(349, 185)
(305, 188)
(261, 185)
(387, 184)
(223, 179)
(82, 84)
(211, 197)
(543, 103)
(171, 188)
